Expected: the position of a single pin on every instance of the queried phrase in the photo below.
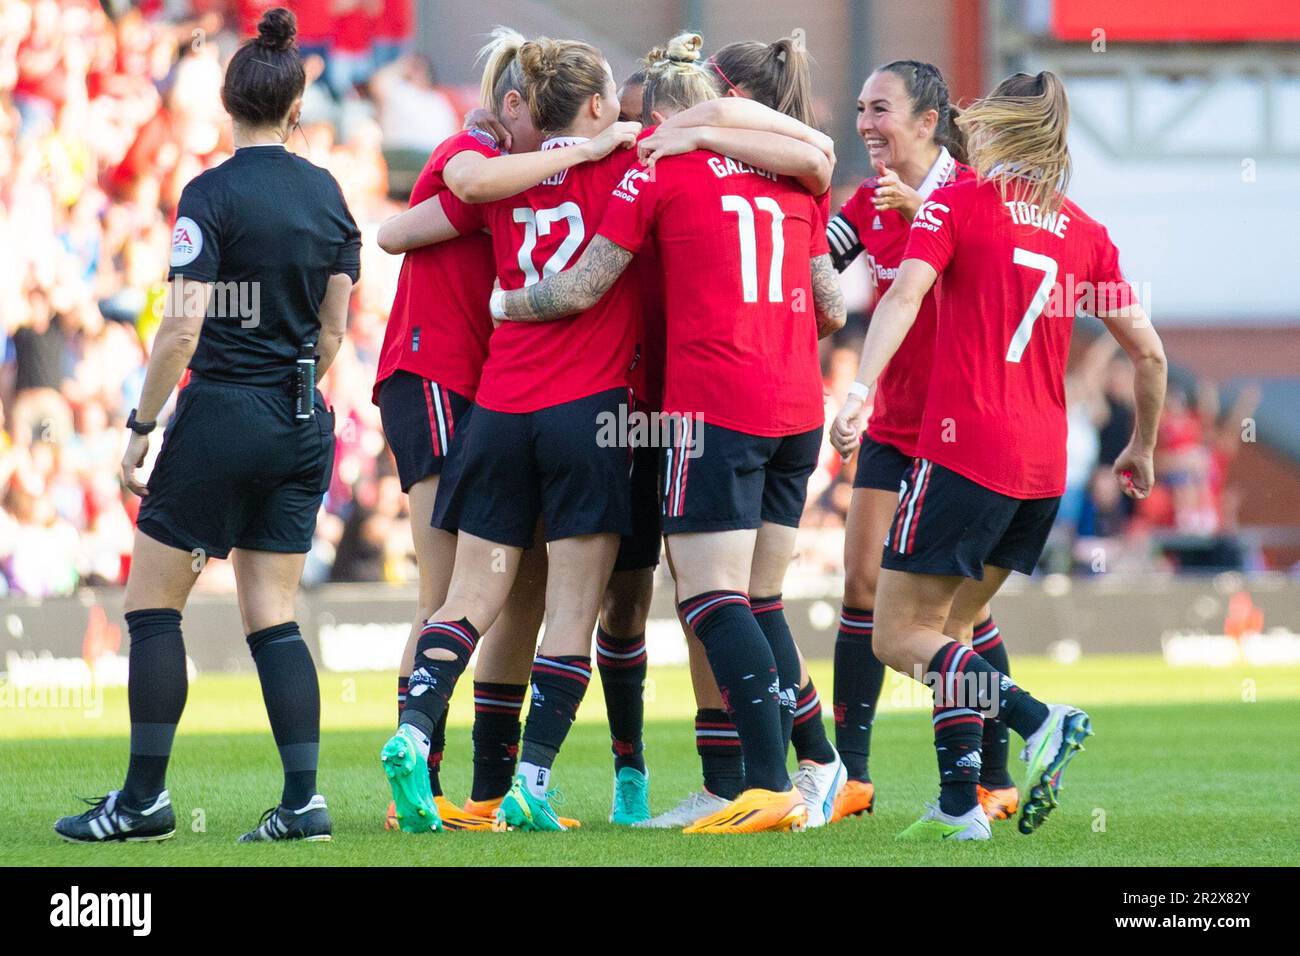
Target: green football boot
(408, 777)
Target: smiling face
(892, 135)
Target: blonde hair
(674, 76)
(1017, 138)
(778, 75)
(558, 75)
(501, 72)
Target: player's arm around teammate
(426, 223)
(713, 562)
(530, 447)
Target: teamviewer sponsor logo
(77, 909)
(637, 429)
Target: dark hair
(265, 75)
(928, 91)
(775, 74)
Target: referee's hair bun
(277, 29)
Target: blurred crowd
(1188, 522)
(107, 111)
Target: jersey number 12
(749, 245)
(538, 223)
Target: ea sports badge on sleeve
(187, 242)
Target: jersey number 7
(749, 246)
(1048, 267)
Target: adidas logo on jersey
(877, 224)
(927, 217)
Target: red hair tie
(714, 63)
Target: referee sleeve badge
(187, 242)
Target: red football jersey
(439, 324)
(1010, 283)
(648, 372)
(899, 400)
(534, 365)
(734, 244)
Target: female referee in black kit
(248, 453)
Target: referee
(264, 257)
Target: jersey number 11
(749, 245)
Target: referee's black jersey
(269, 228)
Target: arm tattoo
(571, 291)
(827, 298)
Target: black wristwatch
(139, 427)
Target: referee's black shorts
(237, 470)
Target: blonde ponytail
(674, 76)
(1017, 137)
(500, 67)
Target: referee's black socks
(157, 685)
(292, 696)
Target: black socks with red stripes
(966, 688)
(718, 743)
(432, 680)
(745, 670)
(859, 676)
(496, 737)
(559, 684)
(622, 664)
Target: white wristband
(496, 304)
(860, 390)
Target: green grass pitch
(1190, 766)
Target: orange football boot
(756, 811)
(488, 808)
(855, 798)
(454, 818)
(999, 804)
